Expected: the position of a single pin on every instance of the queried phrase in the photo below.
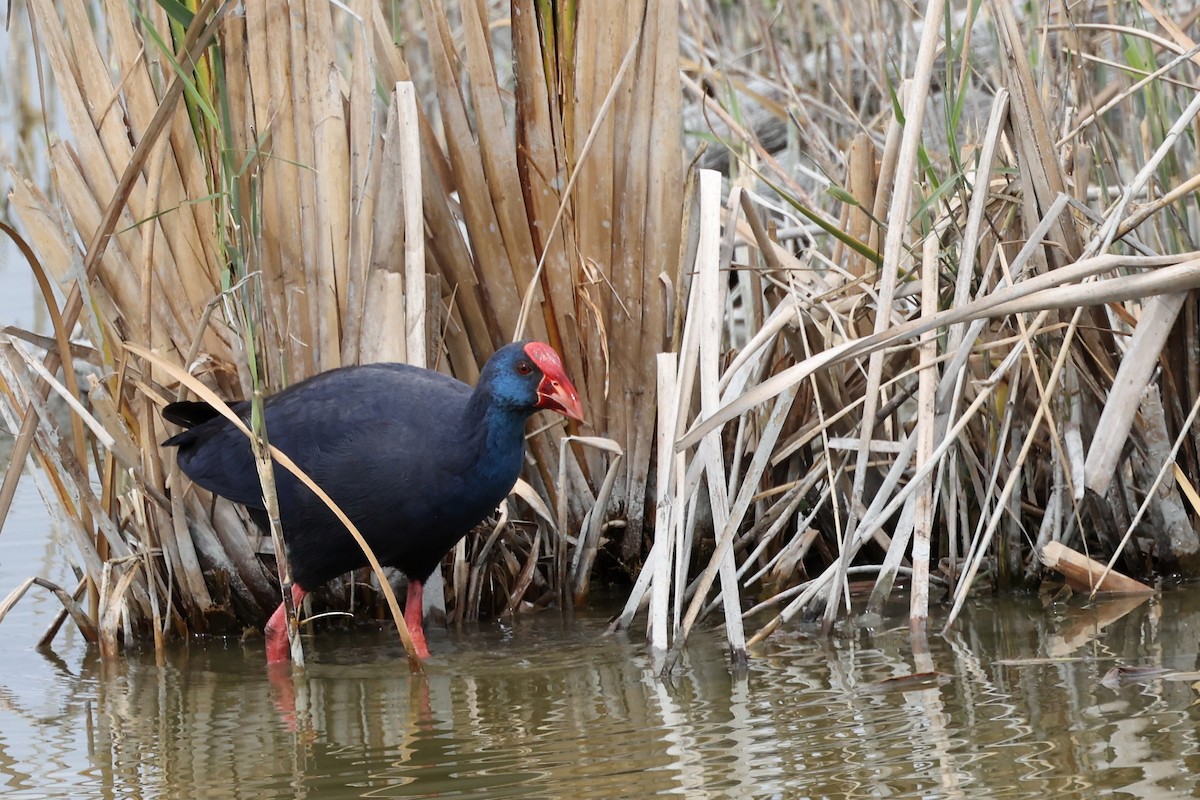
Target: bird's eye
(524, 368)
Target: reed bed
(275, 203)
(861, 298)
(974, 340)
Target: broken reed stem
(70, 606)
(926, 422)
(1168, 465)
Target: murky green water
(552, 708)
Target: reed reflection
(553, 708)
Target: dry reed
(938, 313)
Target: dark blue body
(416, 459)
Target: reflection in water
(556, 709)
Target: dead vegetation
(937, 312)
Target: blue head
(527, 376)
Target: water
(549, 708)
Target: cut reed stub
(1084, 574)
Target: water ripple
(549, 708)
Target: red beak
(555, 392)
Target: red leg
(278, 648)
(414, 614)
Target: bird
(413, 457)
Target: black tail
(187, 414)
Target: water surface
(551, 707)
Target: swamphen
(414, 458)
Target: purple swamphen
(414, 458)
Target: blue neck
(501, 446)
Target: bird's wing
(346, 423)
